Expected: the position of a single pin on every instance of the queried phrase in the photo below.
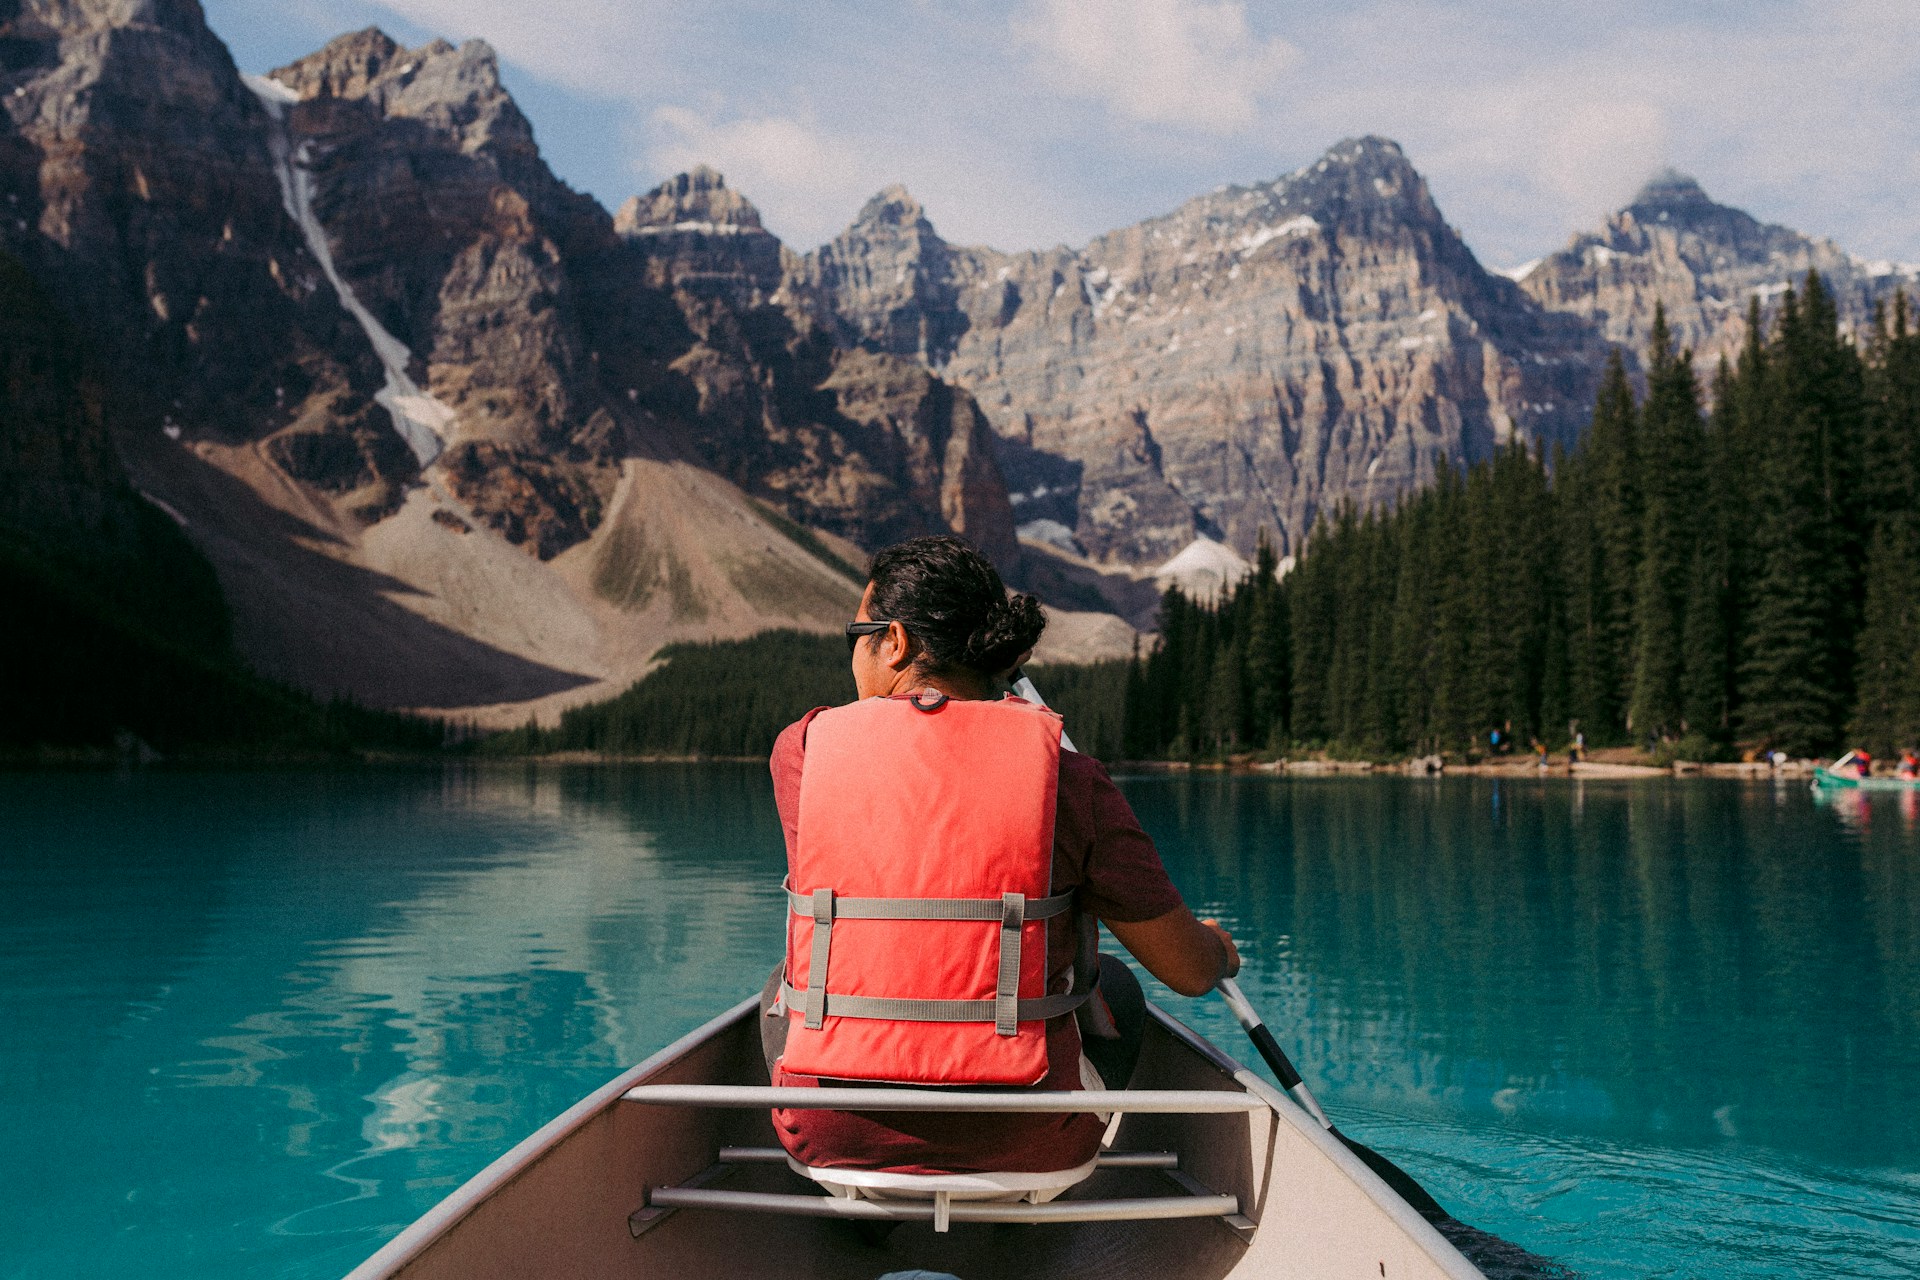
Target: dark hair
(950, 600)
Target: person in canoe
(948, 860)
(1909, 766)
(1860, 760)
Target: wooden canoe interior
(565, 1214)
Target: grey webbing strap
(817, 961)
(801, 904)
(897, 1010)
(1006, 991)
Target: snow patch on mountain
(1052, 533)
(1203, 569)
(417, 416)
(1252, 240)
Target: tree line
(1689, 579)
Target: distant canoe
(1825, 777)
(666, 1172)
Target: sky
(1026, 123)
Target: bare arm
(1188, 955)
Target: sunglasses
(857, 629)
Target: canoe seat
(862, 1195)
(944, 1189)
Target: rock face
(864, 444)
(441, 219)
(562, 341)
(702, 237)
(451, 436)
(1250, 360)
(1702, 261)
(137, 186)
(889, 282)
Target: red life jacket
(919, 890)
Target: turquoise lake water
(255, 1023)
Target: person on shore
(1579, 749)
(927, 798)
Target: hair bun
(1011, 627)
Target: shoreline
(1523, 768)
(1512, 767)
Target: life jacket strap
(822, 911)
(1006, 991)
(901, 1010)
(802, 904)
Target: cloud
(1187, 63)
(1800, 112)
(1020, 123)
(606, 48)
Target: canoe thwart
(756, 1097)
(817, 1206)
(1238, 1222)
(1106, 1160)
(643, 1220)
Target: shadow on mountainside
(321, 623)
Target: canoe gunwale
(1403, 1215)
(434, 1223)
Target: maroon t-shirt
(1100, 852)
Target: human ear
(897, 653)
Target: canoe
(1825, 777)
(671, 1170)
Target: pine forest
(1694, 580)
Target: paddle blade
(1399, 1179)
(1497, 1259)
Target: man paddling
(948, 860)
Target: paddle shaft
(1276, 1058)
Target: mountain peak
(1371, 148)
(696, 200)
(1672, 191)
(894, 206)
(370, 64)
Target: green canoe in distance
(1825, 777)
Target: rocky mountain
(1675, 247)
(454, 437)
(1248, 361)
(138, 190)
(865, 444)
(451, 436)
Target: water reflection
(354, 988)
(1706, 961)
(268, 1019)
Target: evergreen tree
(1267, 663)
(1887, 717)
(1671, 513)
(1612, 502)
(1797, 656)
